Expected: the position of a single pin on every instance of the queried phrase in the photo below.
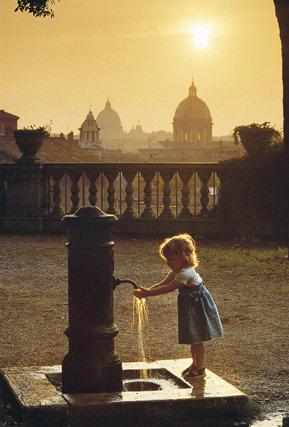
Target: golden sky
(142, 56)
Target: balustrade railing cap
(90, 213)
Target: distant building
(8, 123)
(70, 136)
(89, 136)
(135, 138)
(137, 133)
(170, 151)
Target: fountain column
(91, 364)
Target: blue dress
(198, 317)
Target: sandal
(194, 372)
(192, 366)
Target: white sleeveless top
(188, 276)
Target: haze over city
(143, 57)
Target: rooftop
(53, 150)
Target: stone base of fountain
(163, 398)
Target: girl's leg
(198, 354)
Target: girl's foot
(192, 366)
(194, 372)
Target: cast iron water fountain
(91, 364)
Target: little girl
(198, 316)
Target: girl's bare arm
(168, 287)
(159, 290)
(164, 282)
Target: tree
(36, 7)
(282, 14)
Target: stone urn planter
(29, 142)
(256, 138)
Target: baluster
(185, 199)
(204, 199)
(195, 193)
(83, 188)
(101, 190)
(74, 176)
(129, 177)
(111, 176)
(214, 189)
(148, 211)
(120, 175)
(177, 194)
(167, 210)
(92, 176)
(138, 194)
(57, 211)
(158, 189)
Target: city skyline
(143, 58)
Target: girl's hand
(141, 292)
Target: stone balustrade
(147, 198)
(142, 190)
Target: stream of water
(140, 316)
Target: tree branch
(36, 7)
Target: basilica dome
(108, 119)
(192, 120)
(192, 108)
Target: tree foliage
(36, 7)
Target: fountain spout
(116, 281)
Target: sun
(201, 36)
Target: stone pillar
(27, 197)
(91, 364)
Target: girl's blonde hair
(182, 245)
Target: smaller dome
(90, 122)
